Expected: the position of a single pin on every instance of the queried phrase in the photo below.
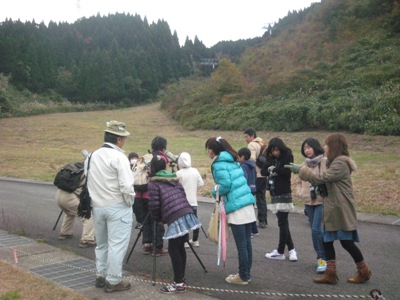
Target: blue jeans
(112, 229)
(314, 214)
(254, 228)
(242, 236)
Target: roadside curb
(362, 217)
(63, 267)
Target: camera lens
(313, 194)
(271, 184)
(322, 190)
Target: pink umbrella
(223, 230)
(220, 202)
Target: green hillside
(332, 66)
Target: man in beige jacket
(254, 145)
(69, 202)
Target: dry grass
(18, 284)
(34, 147)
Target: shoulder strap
(262, 144)
(87, 176)
(265, 149)
(88, 167)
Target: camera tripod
(58, 219)
(154, 248)
(172, 166)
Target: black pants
(196, 231)
(285, 238)
(138, 209)
(261, 187)
(148, 228)
(349, 246)
(177, 252)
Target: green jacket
(339, 206)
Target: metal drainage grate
(9, 240)
(83, 276)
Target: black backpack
(69, 177)
(262, 156)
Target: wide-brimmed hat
(117, 128)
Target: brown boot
(363, 273)
(330, 276)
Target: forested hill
(111, 59)
(332, 66)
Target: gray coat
(339, 206)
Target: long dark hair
(278, 143)
(158, 163)
(314, 144)
(218, 144)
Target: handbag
(213, 226)
(213, 232)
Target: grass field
(35, 147)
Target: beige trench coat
(339, 206)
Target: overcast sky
(211, 21)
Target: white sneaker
(194, 244)
(293, 255)
(235, 279)
(275, 255)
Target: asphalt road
(30, 209)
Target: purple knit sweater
(167, 201)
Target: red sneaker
(147, 249)
(160, 252)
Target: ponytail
(218, 144)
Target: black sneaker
(100, 282)
(262, 225)
(123, 285)
(64, 236)
(87, 244)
